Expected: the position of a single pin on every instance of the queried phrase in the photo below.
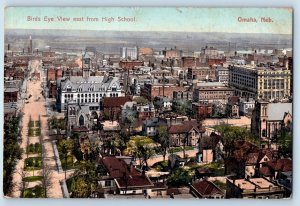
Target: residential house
(206, 190)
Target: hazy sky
(154, 19)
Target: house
(254, 188)
(185, 134)
(208, 146)
(233, 106)
(255, 161)
(112, 106)
(246, 106)
(206, 190)
(118, 177)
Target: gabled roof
(185, 126)
(283, 165)
(206, 188)
(276, 111)
(116, 101)
(125, 175)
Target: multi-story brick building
(201, 73)
(212, 94)
(150, 91)
(260, 82)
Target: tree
(47, 176)
(229, 135)
(285, 143)
(141, 147)
(179, 177)
(163, 140)
(141, 100)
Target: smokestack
(30, 44)
(8, 47)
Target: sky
(186, 19)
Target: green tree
(141, 100)
(179, 177)
(163, 140)
(285, 143)
(229, 135)
(141, 147)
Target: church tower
(86, 65)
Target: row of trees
(12, 152)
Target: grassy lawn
(33, 163)
(70, 160)
(180, 149)
(37, 123)
(34, 148)
(161, 166)
(33, 178)
(216, 167)
(30, 132)
(37, 131)
(35, 192)
(31, 124)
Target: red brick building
(130, 64)
(11, 95)
(150, 91)
(202, 110)
(112, 105)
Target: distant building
(212, 94)
(172, 53)
(222, 74)
(260, 82)
(246, 106)
(129, 53)
(202, 110)
(201, 73)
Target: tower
(86, 65)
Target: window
(107, 183)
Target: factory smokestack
(8, 47)
(30, 45)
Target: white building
(87, 90)
(129, 52)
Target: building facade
(260, 82)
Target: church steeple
(86, 65)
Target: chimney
(8, 47)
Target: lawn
(161, 166)
(179, 149)
(32, 178)
(31, 124)
(34, 148)
(30, 132)
(37, 131)
(37, 123)
(35, 192)
(216, 167)
(33, 163)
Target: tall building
(267, 83)
(129, 53)
(86, 89)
